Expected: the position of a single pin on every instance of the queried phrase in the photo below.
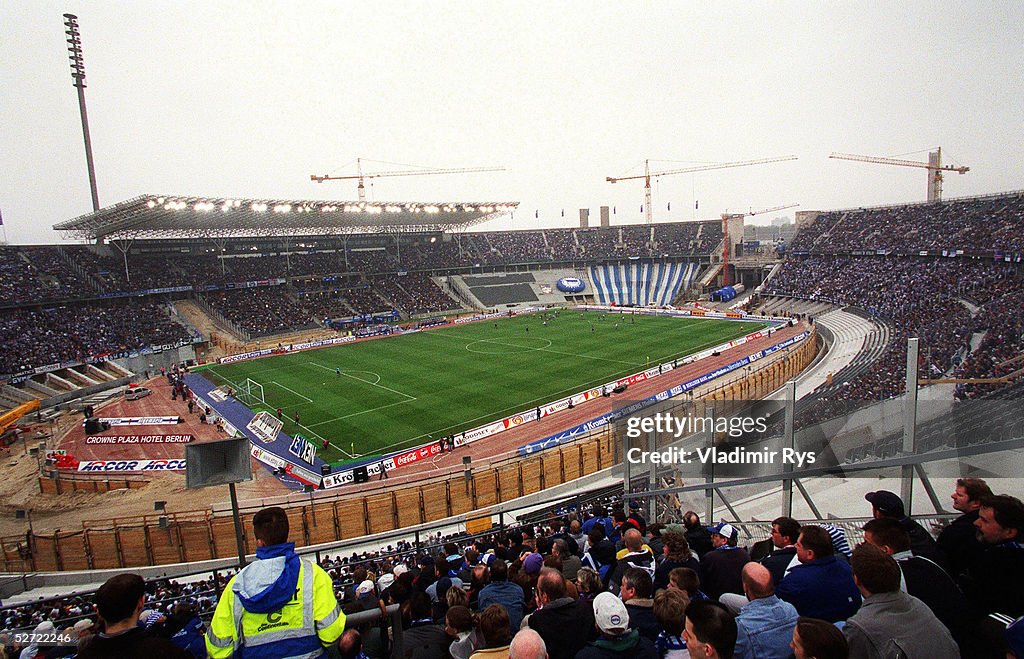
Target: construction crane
(726, 279)
(648, 175)
(361, 176)
(934, 167)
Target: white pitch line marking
(375, 409)
(372, 384)
(308, 400)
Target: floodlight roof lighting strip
(150, 216)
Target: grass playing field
(398, 392)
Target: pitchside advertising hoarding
(140, 439)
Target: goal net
(251, 392)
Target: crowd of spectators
(416, 293)
(606, 584)
(39, 337)
(29, 275)
(262, 311)
(33, 274)
(920, 297)
(518, 247)
(983, 226)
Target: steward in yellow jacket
(280, 606)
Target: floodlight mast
(74, 40)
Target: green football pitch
(385, 394)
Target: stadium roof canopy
(166, 216)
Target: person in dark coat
(888, 504)
(923, 579)
(721, 568)
(697, 535)
(959, 541)
(635, 590)
(677, 554)
(615, 638)
(785, 531)
(119, 602)
(565, 624)
(424, 639)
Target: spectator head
(722, 534)
(885, 504)
(785, 531)
(677, 549)
(533, 563)
(874, 571)
(560, 548)
(588, 580)
(499, 570)
(481, 574)
(814, 543)
(710, 631)
(1000, 519)
(350, 644)
(459, 619)
(596, 534)
(120, 599)
(684, 579)
(636, 584)
(670, 610)
(550, 586)
(575, 528)
(270, 526)
(633, 540)
(527, 644)
(420, 606)
(83, 628)
(968, 493)
(757, 581)
(456, 597)
(818, 639)
(691, 519)
(495, 626)
(887, 534)
(610, 615)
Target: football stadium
(336, 420)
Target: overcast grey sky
(248, 99)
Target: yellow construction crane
(361, 176)
(648, 175)
(726, 279)
(934, 167)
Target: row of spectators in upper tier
(415, 293)
(924, 298)
(33, 274)
(31, 338)
(984, 225)
(275, 309)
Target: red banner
(140, 439)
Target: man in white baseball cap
(616, 640)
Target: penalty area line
(308, 400)
(372, 384)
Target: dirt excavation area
(19, 471)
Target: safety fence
(203, 535)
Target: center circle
(496, 347)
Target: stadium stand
(74, 333)
(641, 283)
